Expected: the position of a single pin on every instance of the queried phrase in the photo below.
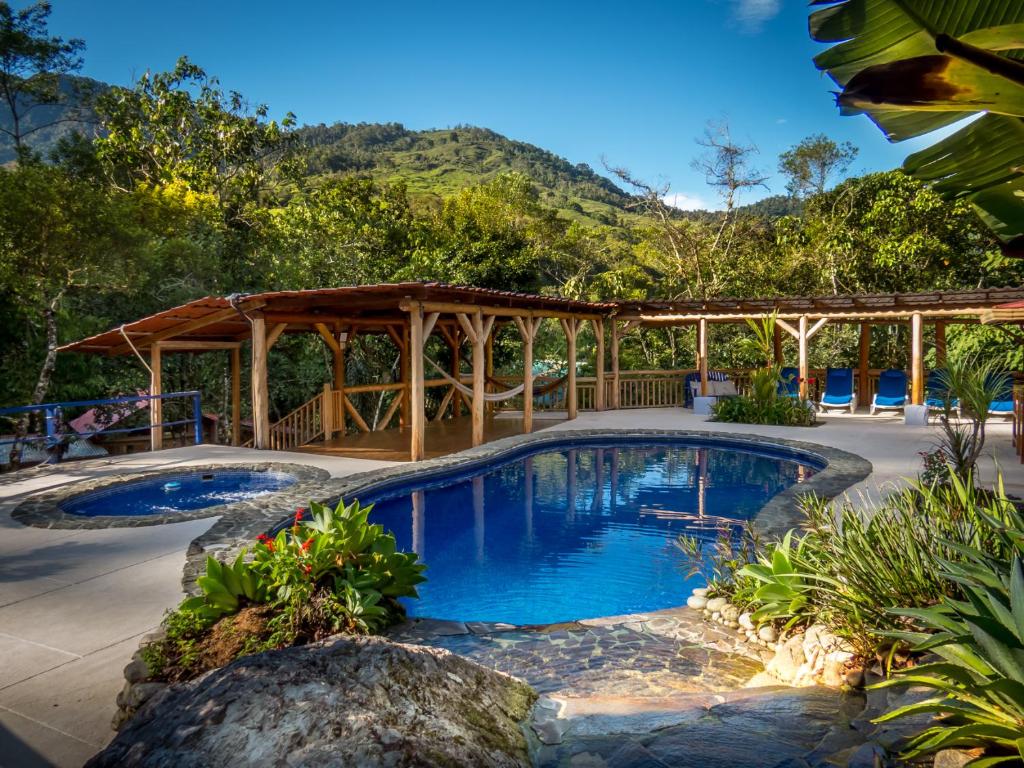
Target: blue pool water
(577, 532)
(176, 493)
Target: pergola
(409, 313)
(802, 317)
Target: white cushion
(723, 388)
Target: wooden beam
(389, 414)
(864, 363)
(196, 346)
(777, 352)
(615, 363)
(417, 446)
(702, 355)
(940, 344)
(274, 334)
(357, 417)
(571, 327)
(598, 325)
(481, 331)
(916, 359)
(186, 327)
(456, 308)
(328, 336)
(156, 407)
(528, 333)
(405, 369)
(816, 327)
(260, 391)
(338, 377)
(327, 410)
(802, 342)
(467, 326)
(865, 313)
(236, 396)
(780, 323)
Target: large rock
(347, 702)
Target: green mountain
(434, 163)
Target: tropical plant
(722, 560)
(784, 592)
(979, 679)
(764, 404)
(335, 572)
(975, 384)
(226, 588)
(917, 65)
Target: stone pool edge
(42, 510)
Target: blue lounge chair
(1003, 403)
(936, 393)
(789, 384)
(838, 390)
(892, 391)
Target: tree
(914, 66)
(58, 235)
(31, 66)
(180, 126)
(810, 164)
(726, 165)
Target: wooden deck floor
(442, 438)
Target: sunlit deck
(441, 438)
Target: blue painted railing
(55, 434)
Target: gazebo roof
(220, 321)
(964, 304)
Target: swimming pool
(578, 531)
(180, 492)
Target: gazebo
(409, 313)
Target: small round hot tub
(182, 492)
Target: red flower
(299, 513)
(306, 544)
(308, 569)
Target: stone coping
(43, 510)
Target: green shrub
(784, 592)
(722, 561)
(979, 681)
(764, 404)
(335, 572)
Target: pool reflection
(576, 533)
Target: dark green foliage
(764, 405)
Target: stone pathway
(653, 690)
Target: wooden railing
(303, 425)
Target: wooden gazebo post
(236, 396)
(940, 343)
(802, 341)
(260, 392)
(615, 363)
(864, 363)
(916, 359)
(571, 327)
(598, 324)
(156, 406)
(702, 354)
(414, 384)
(528, 332)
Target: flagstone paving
(658, 689)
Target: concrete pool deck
(75, 603)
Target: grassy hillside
(435, 163)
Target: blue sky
(632, 82)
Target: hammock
(490, 397)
